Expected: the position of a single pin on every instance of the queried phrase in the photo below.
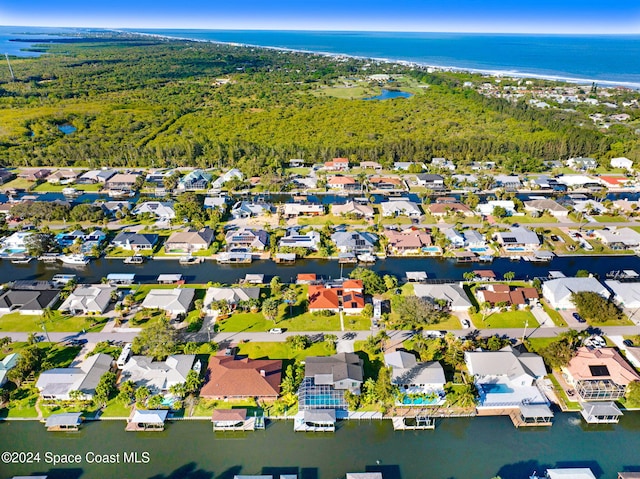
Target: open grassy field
(58, 323)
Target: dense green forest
(152, 102)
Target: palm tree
(290, 296)
(468, 276)
(508, 276)
(485, 307)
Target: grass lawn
(281, 350)
(610, 219)
(115, 408)
(615, 322)
(58, 323)
(529, 219)
(452, 322)
(205, 407)
(553, 314)
(87, 408)
(536, 344)
(50, 188)
(24, 406)
(509, 319)
(570, 405)
(298, 170)
(123, 253)
(18, 184)
(347, 93)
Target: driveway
(544, 320)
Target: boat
(75, 259)
(135, 259)
(485, 258)
(62, 279)
(70, 192)
(21, 259)
(514, 258)
(120, 193)
(190, 260)
(366, 258)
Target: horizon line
(351, 30)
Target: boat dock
(413, 424)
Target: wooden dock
(421, 423)
(250, 424)
(517, 421)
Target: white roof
(175, 301)
(230, 295)
(152, 416)
(401, 207)
(558, 291)
(158, 376)
(451, 292)
(406, 370)
(626, 236)
(570, 473)
(506, 362)
(88, 298)
(627, 294)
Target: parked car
(578, 318)
(628, 342)
(276, 330)
(465, 323)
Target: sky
(495, 16)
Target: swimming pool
(431, 249)
(478, 250)
(417, 401)
(496, 388)
(515, 248)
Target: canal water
(436, 268)
(461, 448)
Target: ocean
(605, 59)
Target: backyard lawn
(282, 350)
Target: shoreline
(409, 63)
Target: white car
(276, 330)
(465, 323)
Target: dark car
(578, 318)
(628, 342)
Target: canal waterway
(436, 268)
(460, 448)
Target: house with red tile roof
(409, 241)
(347, 297)
(442, 209)
(497, 293)
(337, 164)
(599, 374)
(231, 378)
(342, 183)
(306, 278)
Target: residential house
(29, 297)
(88, 299)
(574, 181)
(599, 374)
(618, 238)
(162, 210)
(542, 205)
(230, 378)
(5, 210)
(340, 372)
(337, 164)
(305, 182)
(57, 384)
(15, 243)
(590, 207)
(474, 239)
(507, 378)
(122, 182)
(354, 242)
(6, 176)
(175, 301)
(246, 209)
(137, 242)
(346, 296)
(487, 209)
(582, 164)
(452, 293)
(189, 241)
(216, 202)
(400, 207)
(233, 173)
(442, 209)
(622, 162)
(371, 165)
(232, 296)
(95, 176)
(611, 182)
(63, 177)
(430, 181)
(405, 165)
(353, 208)
(558, 291)
(413, 377)
(626, 206)
(296, 163)
(8, 362)
(111, 208)
(443, 163)
(307, 278)
(456, 240)
(625, 294)
(253, 239)
(502, 294)
(508, 182)
(484, 275)
(158, 376)
(342, 183)
(409, 241)
(194, 180)
(34, 174)
(386, 183)
(310, 240)
(157, 176)
(517, 239)
(293, 210)
(88, 241)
